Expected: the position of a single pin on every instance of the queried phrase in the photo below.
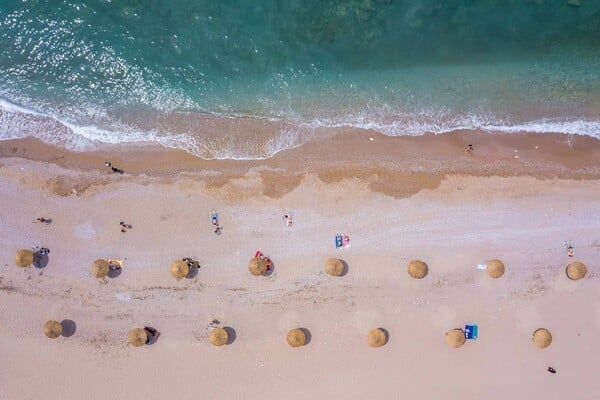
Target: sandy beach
(517, 198)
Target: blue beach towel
(339, 241)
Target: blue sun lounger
(471, 331)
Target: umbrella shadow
(307, 336)
(345, 269)
(68, 327)
(152, 339)
(114, 273)
(231, 335)
(40, 260)
(194, 268)
(387, 335)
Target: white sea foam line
(577, 127)
(85, 136)
(415, 128)
(10, 107)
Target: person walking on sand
(116, 170)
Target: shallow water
(135, 71)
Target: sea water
(82, 73)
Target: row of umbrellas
(541, 338)
(333, 267)
(296, 337)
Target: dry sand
(421, 199)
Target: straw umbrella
(455, 338)
(257, 266)
(334, 267)
(24, 258)
(137, 337)
(218, 336)
(296, 337)
(376, 337)
(417, 269)
(494, 268)
(100, 268)
(179, 269)
(576, 270)
(542, 338)
(52, 329)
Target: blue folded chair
(339, 241)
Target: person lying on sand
(44, 220)
(125, 226)
(43, 251)
(569, 247)
(191, 262)
(113, 265)
(469, 149)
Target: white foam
(18, 121)
(575, 127)
(419, 125)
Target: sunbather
(113, 265)
(569, 247)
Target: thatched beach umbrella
(334, 267)
(257, 266)
(24, 258)
(52, 329)
(179, 269)
(455, 338)
(218, 336)
(417, 269)
(100, 268)
(494, 268)
(296, 337)
(542, 338)
(376, 337)
(576, 270)
(137, 337)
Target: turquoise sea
(82, 73)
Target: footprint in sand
(85, 231)
(124, 297)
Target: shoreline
(395, 166)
